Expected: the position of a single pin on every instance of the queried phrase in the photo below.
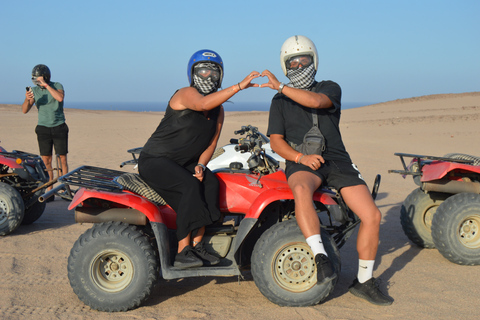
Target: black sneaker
(370, 292)
(187, 259)
(207, 258)
(325, 271)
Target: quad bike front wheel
(113, 267)
(456, 229)
(12, 209)
(283, 266)
(416, 216)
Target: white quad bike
(231, 155)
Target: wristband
(280, 87)
(235, 89)
(298, 157)
(201, 166)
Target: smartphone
(28, 89)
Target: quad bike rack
(89, 177)
(418, 159)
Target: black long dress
(167, 163)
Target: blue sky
(137, 51)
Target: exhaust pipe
(451, 186)
(98, 215)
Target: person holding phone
(51, 130)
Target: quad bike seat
(134, 183)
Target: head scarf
(302, 78)
(205, 86)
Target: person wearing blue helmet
(305, 108)
(173, 161)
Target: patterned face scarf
(205, 86)
(302, 78)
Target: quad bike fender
(10, 162)
(277, 194)
(141, 206)
(436, 177)
(438, 170)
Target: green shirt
(50, 111)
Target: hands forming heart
(272, 83)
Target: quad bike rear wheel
(283, 266)
(416, 216)
(456, 229)
(113, 267)
(12, 209)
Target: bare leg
(199, 236)
(63, 160)
(359, 199)
(183, 243)
(303, 184)
(48, 164)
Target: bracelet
(235, 89)
(280, 87)
(300, 160)
(298, 157)
(201, 166)
(240, 88)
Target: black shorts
(55, 136)
(335, 174)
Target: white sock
(365, 270)
(316, 244)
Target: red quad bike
(23, 180)
(115, 264)
(444, 212)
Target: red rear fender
(163, 214)
(438, 170)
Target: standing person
(291, 117)
(173, 161)
(51, 129)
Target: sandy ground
(33, 264)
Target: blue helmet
(204, 56)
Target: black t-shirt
(293, 120)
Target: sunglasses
(295, 62)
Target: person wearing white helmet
(293, 112)
(174, 160)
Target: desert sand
(33, 264)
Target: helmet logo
(209, 54)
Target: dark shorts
(335, 174)
(55, 136)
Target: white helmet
(297, 45)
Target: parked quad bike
(115, 264)
(444, 212)
(23, 179)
